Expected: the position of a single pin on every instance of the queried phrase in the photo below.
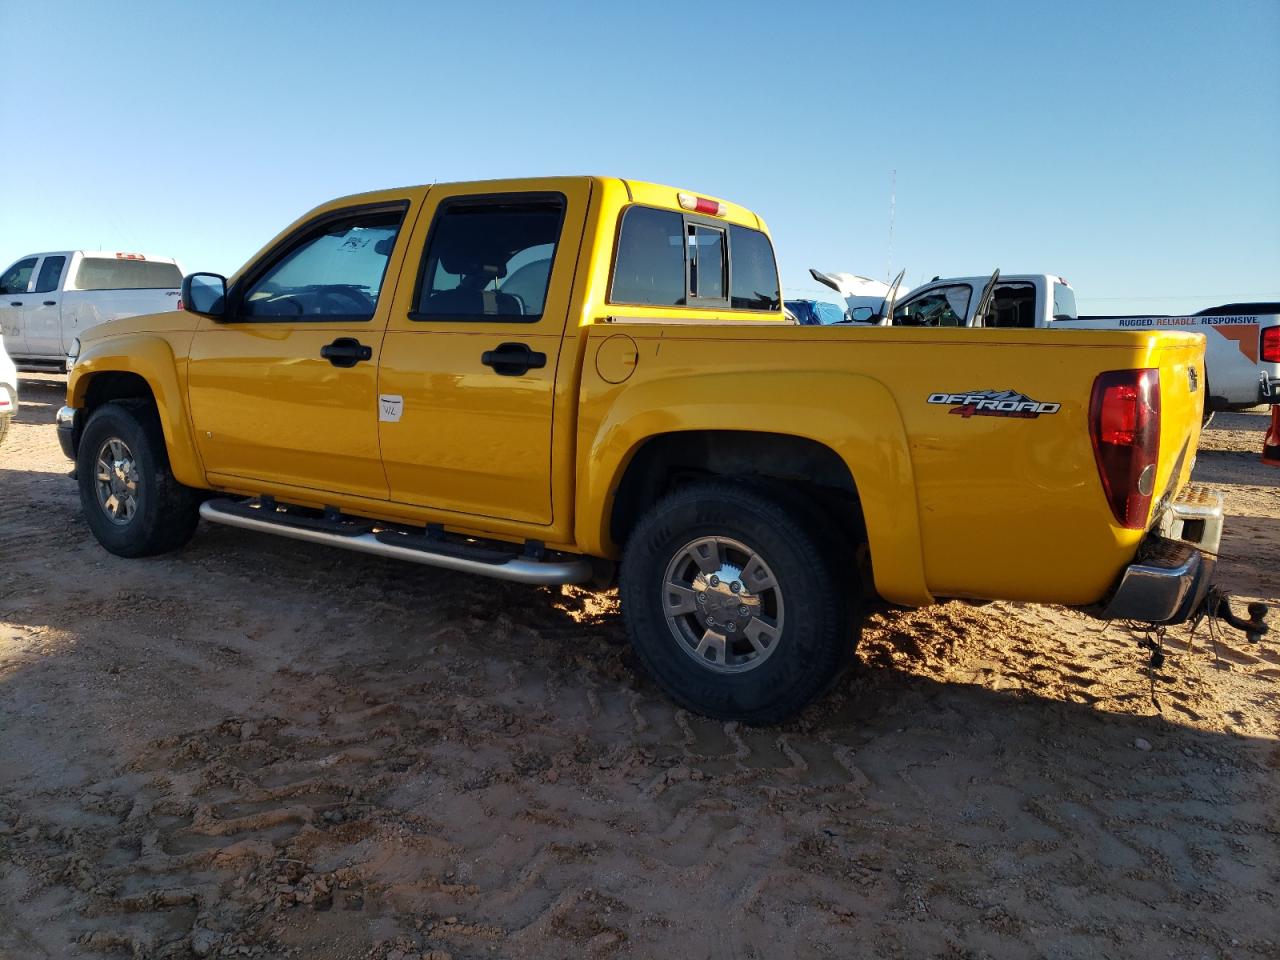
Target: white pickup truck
(1242, 348)
(49, 299)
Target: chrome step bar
(519, 570)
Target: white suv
(8, 390)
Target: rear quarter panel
(972, 506)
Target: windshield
(1064, 302)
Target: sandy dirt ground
(254, 747)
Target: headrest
(462, 267)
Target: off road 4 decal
(994, 403)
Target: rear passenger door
(42, 315)
(469, 366)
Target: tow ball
(1218, 604)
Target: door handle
(51, 303)
(346, 352)
(513, 359)
(15, 303)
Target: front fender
(151, 357)
(854, 416)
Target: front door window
(18, 277)
(335, 272)
(944, 307)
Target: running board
(489, 562)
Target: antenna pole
(893, 209)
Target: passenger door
(14, 284)
(42, 314)
(283, 390)
(469, 366)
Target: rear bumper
(68, 421)
(1166, 585)
(1173, 571)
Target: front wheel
(736, 604)
(131, 501)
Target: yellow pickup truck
(562, 380)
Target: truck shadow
(305, 702)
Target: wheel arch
(138, 367)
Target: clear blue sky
(1132, 147)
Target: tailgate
(1180, 360)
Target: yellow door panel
(266, 406)
(468, 439)
(475, 437)
(283, 388)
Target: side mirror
(862, 315)
(205, 293)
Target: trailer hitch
(1217, 604)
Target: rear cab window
(667, 259)
(102, 273)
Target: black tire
(1207, 410)
(817, 633)
(165, 512)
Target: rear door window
(1013, 306)
(50, 273)
(101, 273)
(490, 259)
(18, 277)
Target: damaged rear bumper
(1166, 585)
(1173, 572)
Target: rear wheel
(131, 501)
(733, 601)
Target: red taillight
(1270, 351)
(1124, 423)
(699, 204)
